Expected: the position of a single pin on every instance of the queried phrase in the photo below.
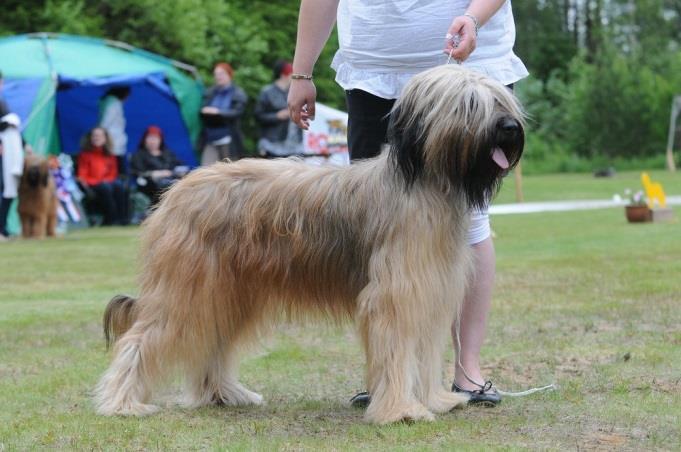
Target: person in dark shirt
(4, 109)
(223, 105)
(279, 136)
(154, 166)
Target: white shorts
(479, 229)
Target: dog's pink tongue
(499, 158)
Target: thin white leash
(488, 384)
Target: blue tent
(54, 82)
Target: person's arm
(264, 111)
(315, 22)
(465, 25)
(4, 109)
(83, 175)
(137, 167)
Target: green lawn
(560, 187)
(583, 300)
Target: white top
(113, 120)
(12, 156)
(383, 43)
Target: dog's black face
(33, 176)
(456, 130)
(476, 164)
(36, 172)
(493, 160)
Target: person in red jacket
(98, 175)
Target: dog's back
(283, 227)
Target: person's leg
(367, 123)
(475, 311)
(105, 197)
(227, 151)
(120, 195)
(209, 155)
(5, 204)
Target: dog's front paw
(444, 401)
(410, 413)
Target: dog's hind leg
(125, 388)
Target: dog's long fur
(37, 206)
(235, 246)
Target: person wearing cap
(223, 105)
(279, 136)
(11, 166)
(154, 166)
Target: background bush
(603, 73)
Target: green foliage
(600, 91)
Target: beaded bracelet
(475, 22)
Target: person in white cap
(11, 165)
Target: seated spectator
(279, 136)
(98, 175)
(154, 166)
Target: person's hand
(464, 28)
(160, 174)
(301, 102)
(210, 110)
(283, 114)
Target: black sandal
(485, 396)
(360, 400)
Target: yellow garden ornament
(654, 191)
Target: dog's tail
(118, 317)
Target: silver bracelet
(475, 22)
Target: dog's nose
(510, 125)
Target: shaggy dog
(38, 202)
(235, 246)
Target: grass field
(583, 300)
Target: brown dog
(235, 247)
(37, 199)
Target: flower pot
(637, 214)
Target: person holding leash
(381, 46)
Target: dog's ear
(406, 142)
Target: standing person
(11, 166)
(223, 105)
(112, 119)
(4, 109)
(376, 58)
(279, 136)
(98, 175)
